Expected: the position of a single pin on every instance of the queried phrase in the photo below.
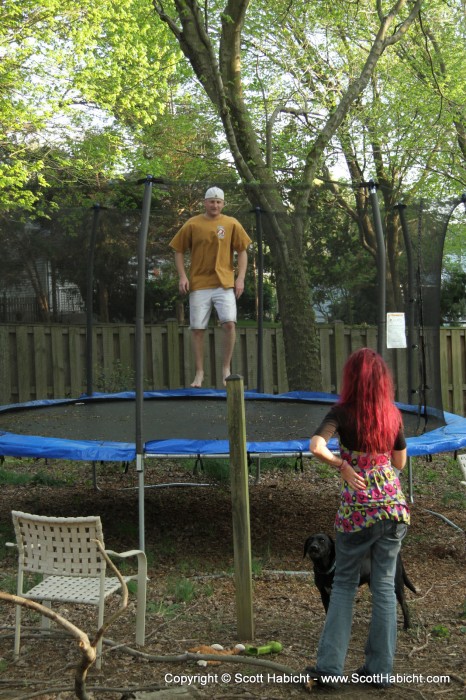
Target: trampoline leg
(140, 471)
(410, 481)
(258, 470)
(94, 477)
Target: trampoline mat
(171, 419)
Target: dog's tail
(406, 580)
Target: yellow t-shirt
(211, 243)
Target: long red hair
(368, 394)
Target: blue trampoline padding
(15, 445)
(222, 447)
(448, 438)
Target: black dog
(320, 549)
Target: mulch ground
(191, 588)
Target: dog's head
(319, 547)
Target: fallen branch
(414, 650)
(88, 649)
(190, 656)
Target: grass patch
(162, 609)
(439, 478)
(257, 567)
(218, 469)
(324, 470)
(13, 478)
(181, 590)
(8, 583)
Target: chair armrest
(141, 557)
(141, 578)
(125, 555)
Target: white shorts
(201, 302)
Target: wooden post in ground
(240, 507)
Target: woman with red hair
(372, 517)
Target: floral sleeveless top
(381, 500)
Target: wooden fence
(40, 361)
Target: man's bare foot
(226, 373)
(197, 381)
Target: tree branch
(88, 649)
(356, 87)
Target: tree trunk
(220, 75)
(298, 322)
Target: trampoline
(191, 423)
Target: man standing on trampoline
(212, 238)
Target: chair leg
(100, 622)
(17, 631)
(45, 621)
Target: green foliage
(453, 296)
(59, 62)
(119, 378)
(93, 90)
(343, 275)
(217, 469)
(181, 590)
(8, 584)
(441, 632)
(323, 470)
(162, 296)
(247, 306)
(445, 471)
(257, 566)
(40, 478)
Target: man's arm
(242, 262)
(183, 284)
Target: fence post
(240, 506)
(5, 375)
(173, 354)
(340, 353)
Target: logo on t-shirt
(220, 232)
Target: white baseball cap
(214, 193)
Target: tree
(408, 130)
(68, 69)
(453, 296)
(214, 45)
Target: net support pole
(239, 477)
(411, 301)
(89, 301)
(381, 270)
(260, 302)
(139, 359)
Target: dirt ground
(191, 588)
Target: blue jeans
(383, 540)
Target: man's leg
(200, 306)
(224, 301)
(197, 336)
(229, 337)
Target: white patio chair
(72, 566)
